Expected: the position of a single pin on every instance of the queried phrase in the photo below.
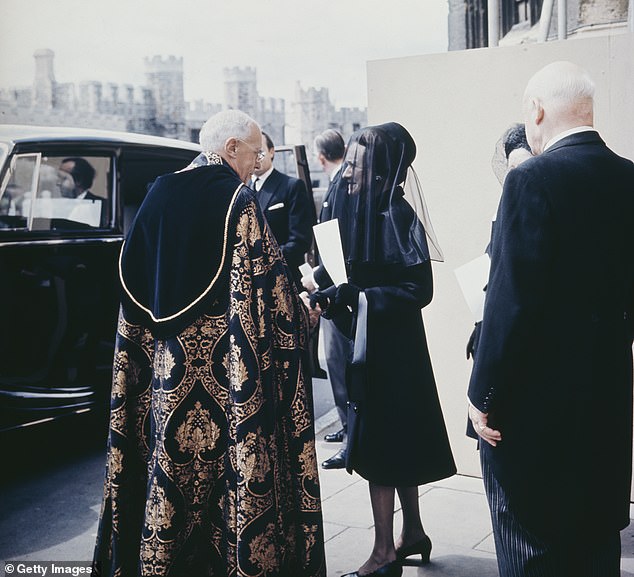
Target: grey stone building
(312, 112)
(241, 93)
(159, 106)
(521, 21)
(164, 78)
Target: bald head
(558, 97)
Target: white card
(328, 242)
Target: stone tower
(44, 83)
(165, 80)
(311, 112)
(241, 90)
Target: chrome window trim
(34, 184)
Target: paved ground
(455, 515)
(53, 516)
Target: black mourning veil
(386, 218)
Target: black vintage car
(58, 261)
(59, 250)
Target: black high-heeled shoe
(392, 569)
(422, 548)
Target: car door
(58, 293)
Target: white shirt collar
(262, 177)
(565, 133)
(335, 171)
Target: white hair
(224, 125)
(561, 84)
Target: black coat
(402, 440)
(553, 366)
(290, 213)
(328, 203)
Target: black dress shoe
(335, 437)
(422, 548)
(337, 461)
(392, 569)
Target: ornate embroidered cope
(211, 465)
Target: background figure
(551, 388)
(75, 177)
(510, 151)
(288, 209)
(396, 433)
(211, 465)
(516, 147)
(330, 148)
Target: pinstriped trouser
(521, 554)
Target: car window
(69, 192)
(18, 183)
(285, 161)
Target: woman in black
(397, 436)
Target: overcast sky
(323, 43)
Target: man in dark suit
(551, 388)
(287, 207)
(76, 176)
(330, 149)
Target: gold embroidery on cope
(163, 361)
(158, 511)
(198, 433)
(263, 551)
(235, 367)
(252, 456)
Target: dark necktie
(254, 184)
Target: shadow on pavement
(51, 486)
(455, 566)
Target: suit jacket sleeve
(301, 217)
(516, 288)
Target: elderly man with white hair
(551, 388)
(211, 466)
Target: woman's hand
(308, 282)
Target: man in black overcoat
(551, 388)
(287, 207)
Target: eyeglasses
(259, 153)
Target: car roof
(17, 133)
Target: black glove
(472, 344)
(323, 298)
(347, 295)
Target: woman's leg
(413, 530)
(383, 552)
